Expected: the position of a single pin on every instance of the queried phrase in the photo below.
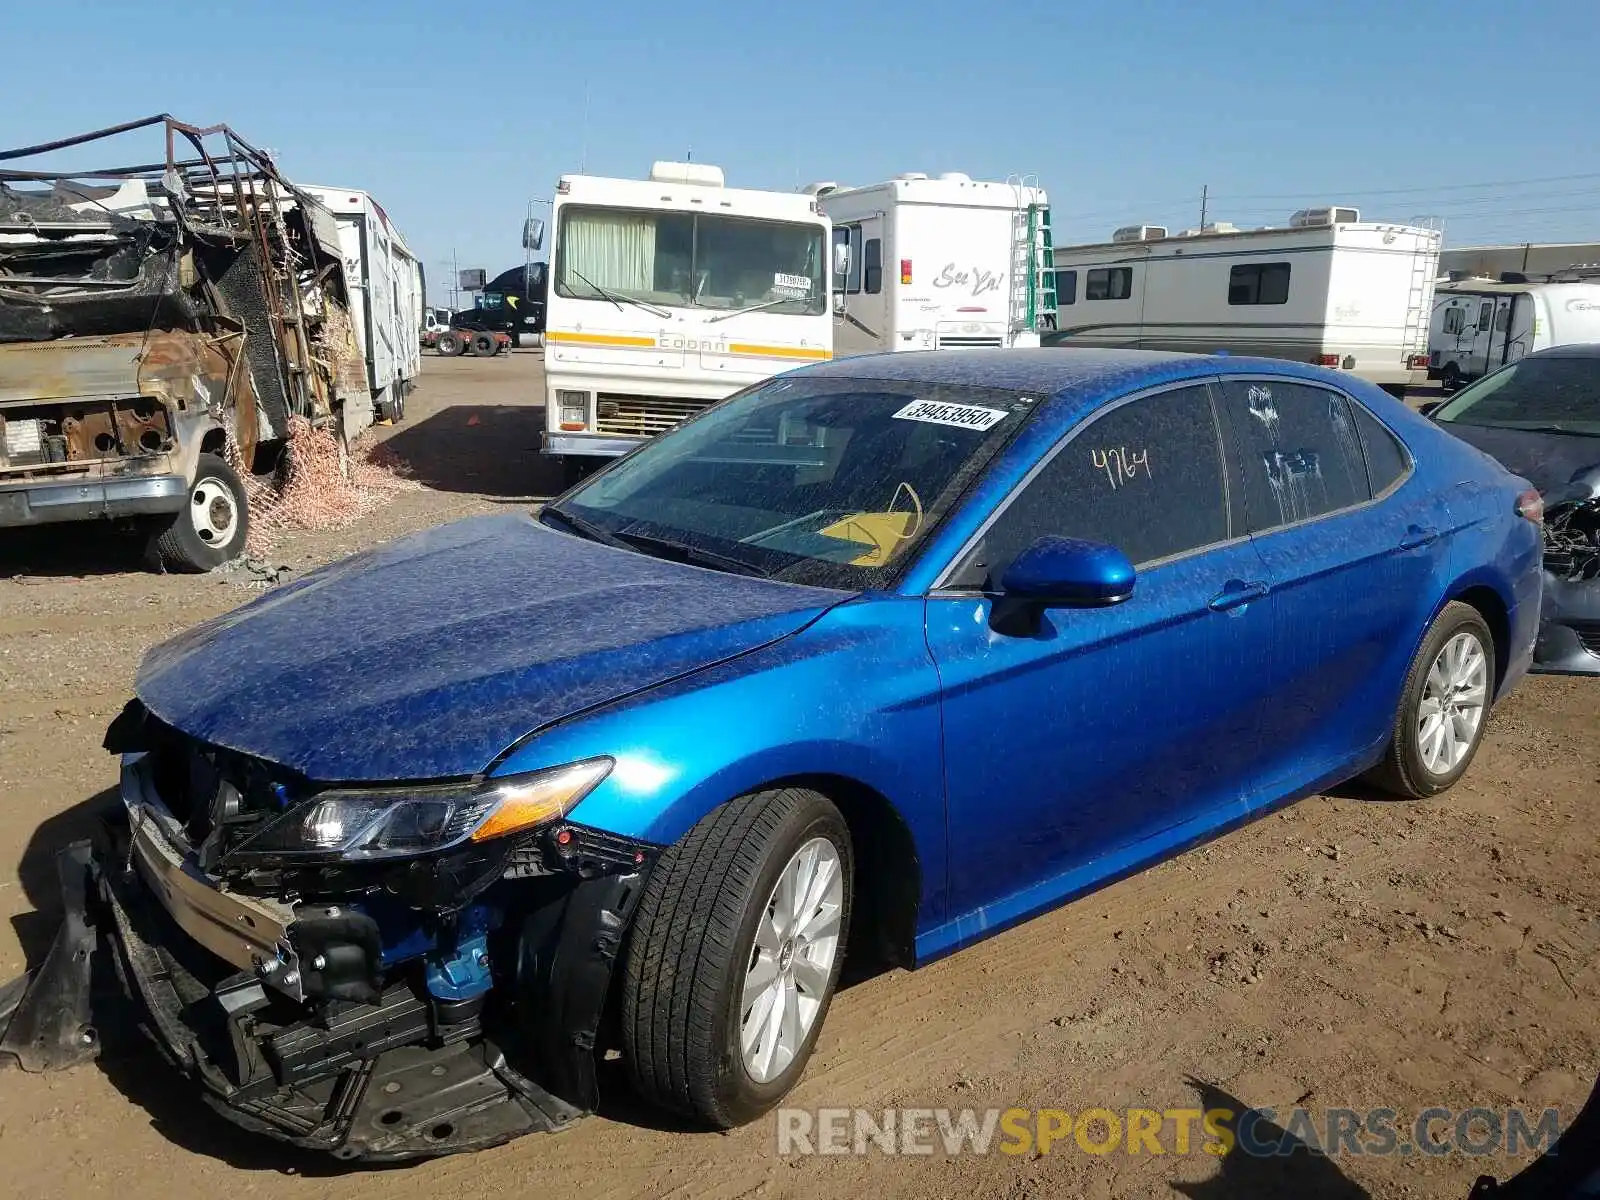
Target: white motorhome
(386, 300)
(945, 262)
(668, 294)
(1479, 324)
(1329, 289)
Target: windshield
(832, 482)
(698, 259)
(1562, 394)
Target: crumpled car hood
(1546, 460)
(429, 656)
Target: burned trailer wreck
(161, 325)
(1569, 633)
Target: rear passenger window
(1387, 460)
(1146, 477)
(1066, 287)
(1298, 451)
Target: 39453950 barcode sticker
(962, 416)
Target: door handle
(1417, 537)
(1236, 594)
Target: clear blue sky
(1123, 110)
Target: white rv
(1329, 289)
(668, 294)
(931, 263)
(386, 300)
(1479, 324)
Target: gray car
(1540, 417)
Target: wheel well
(888, 874)
(215, 441)
(1493, 611)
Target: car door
(1107, 725)
(1353, 568)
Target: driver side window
(1145, 477)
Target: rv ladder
(1033, 289)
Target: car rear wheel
(735, 954)
(1443, 707)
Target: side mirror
(1070, 573)
(841, 265)
(532, 233)
(1430, 407)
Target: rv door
(861, 322)
(1519, 328)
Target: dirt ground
(1345, 952)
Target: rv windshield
(1559, 395)
(701, 260)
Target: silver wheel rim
(1452, 705)
(213, 512)
(791, 962)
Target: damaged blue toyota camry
(871, 660)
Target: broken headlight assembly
(366, 824)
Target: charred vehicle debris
(160, 326)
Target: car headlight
(368, 823)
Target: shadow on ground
(73, 548)
(1267, 1161)
(480, 449)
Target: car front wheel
(735, 954)
(1444, 706)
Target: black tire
(216, 500)
(392, 407)
(692, 941)
(485, 345)
(1403, 770)
(1450, 377)
(450, 345)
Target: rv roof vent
(821, 188)
(912, 175)
(955, 177)
(1220, 227)
(1310, 218)
(1140, 233)
(700, 174)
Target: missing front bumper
(380, 1082)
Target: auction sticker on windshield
(963, 416)
(783, 284)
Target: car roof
(1576, 350)
(1057, 369)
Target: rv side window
(1502, 318)
(1454, 320)
(1109, 283)
(1259, 283)
(1485, 315)
(872, 255)
(1066, 287)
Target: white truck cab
(668, 294)
(939, 262)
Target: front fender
(854, 695)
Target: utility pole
(455, 281)
(1205, 195)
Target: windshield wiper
(694, 554)
(618, 299)
(739, 312)
(583, 528)
(1566, 429)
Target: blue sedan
(878, 657)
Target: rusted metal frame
(142, 171)
(81, 138)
